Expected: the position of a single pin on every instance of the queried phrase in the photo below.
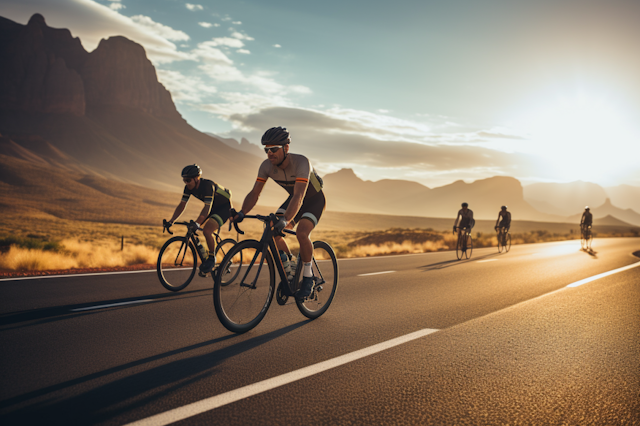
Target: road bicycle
(504, 240)
(178, 258)
(243, 302)
(464, 247)
(586, 237)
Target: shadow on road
(455, 262)
(57, 313)
(133, 391)
(591, 252)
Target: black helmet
(276, 136)
(191, 171)
(503, 207)
(465, 204)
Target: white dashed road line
(110, 305)
(488, 260)
(376, 273)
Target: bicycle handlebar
(272, 217)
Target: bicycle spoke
(325, 272)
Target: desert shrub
(30, 243)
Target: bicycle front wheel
(469, 249)
(242, 302)
(459, 252)
(230, 272)
(500, 245)
(177, 263)
(325, 274)
(508, 243)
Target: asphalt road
(502, 340)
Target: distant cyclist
(504, 217)
(217, 204)
(465, 214)
(587, 218)
(306, 200)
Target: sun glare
(583, 138)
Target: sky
(430, 91)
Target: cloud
(243, 51)
(117, 6)
(184, 88)
(277, 46)
(223, 41)
(392, 145)
(194, 7)
(205, 24)
(159, 29)
(91, 22)
(241, 36)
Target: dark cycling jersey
(466, 220)
(299, 169)
(587, 219)
(505, 219)
(215, 197)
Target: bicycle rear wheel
(242, 302)
(588, 240)
(325, 274)
(508, 244)
(469, 249)
(231, 271)
(177, 263)
(500, 245)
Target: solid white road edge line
(35, 277)
(217, 401)
(111, 305)
(375, 273)
(604, 274)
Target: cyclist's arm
(456, 221)
(299, 190)
(497, 220)
(178, 211)
(252, 197)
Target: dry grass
(77, 254)
(49, 243)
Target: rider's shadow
(591, 252)
(454, 262)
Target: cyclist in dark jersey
(587, 217)
(217, 204)
(466, 221)
(504, 217)
(305, 203)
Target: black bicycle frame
(269, 249)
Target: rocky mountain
(609, 210)
(625, 196)
(564, 198)
(347, 192)
(103, 113)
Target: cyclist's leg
(281, 243)
(217, 217)
(307, 219)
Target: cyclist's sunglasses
(273, 149)
(186, 180)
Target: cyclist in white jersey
(306, 200)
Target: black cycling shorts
(504, 224)
(310, 209)
(220, 210)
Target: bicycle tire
(177, 262)
(325, 272)
(469, 249)
(500, 245)
(589, 240)
(229, 274)
(240, 307)
(508, 245)
(459, 247)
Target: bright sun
(583, 138)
